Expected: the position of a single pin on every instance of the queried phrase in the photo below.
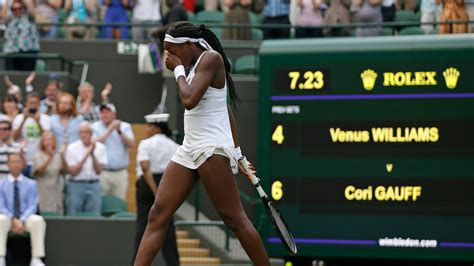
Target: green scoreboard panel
(367, 145)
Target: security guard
(154, 154)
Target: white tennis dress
(206, 129)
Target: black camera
(32, 110)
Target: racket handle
(245, 163)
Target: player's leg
(176, 184)
(219, 182)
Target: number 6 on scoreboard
(278, 136)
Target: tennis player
(210, 148)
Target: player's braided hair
(191, 30)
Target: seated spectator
(238, 14)
(47, 170)
(45, 12)
(430, 12)
(145, 12)
(277, 12)
(18, 207)
(453, 10)
(10, 106)
(337, 13)
(308, 15)
(370, 12)
(65, 123)
(79, 11)
(118, 139)
(85, 159)
(29, 126)
(87, 108)
(15, 90)
(51, 91)
(116, 13)
(7, 146)
(21, 37)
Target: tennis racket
(278, 223)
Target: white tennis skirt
(192, 159)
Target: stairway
(191, 252)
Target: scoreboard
(367, 145)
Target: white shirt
(31, 133)
(76, 151)
(147, 10)
(158, 150)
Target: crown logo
(451, 76)
(368, 79)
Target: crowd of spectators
(311, 18)
(76, 151)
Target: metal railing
(65, 65)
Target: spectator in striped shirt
(7, 145)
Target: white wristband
(237, 153)
(179, 71)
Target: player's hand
(253, 170)
(172, 60)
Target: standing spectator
(21, 37)
(153, 156)
(51, 91)
(85, 159)
(10, 106)
(79, 11)
(388, 10)
(308, 15)
(370, 12)
(47, 170)
(87, 108)
(29, 126)
(238, 13)
(116, 13)
(45, 12)
(430, 12)
(337, 13)
(65, 123)
(453, 10)
(18, 207)
(118, 138)
(7, 146)
(175, 13)
(145, 12)
(277, 12)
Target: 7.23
(311, 80)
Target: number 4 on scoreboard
(278, 136)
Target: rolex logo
(368, 79)
(451, 76)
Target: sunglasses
(17, 9)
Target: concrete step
(188, 261)
(188, 243)
(182, 234)
(194, 252)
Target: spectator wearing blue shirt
(277, 12)
(18, 207)
(65, 123)
(118, 138)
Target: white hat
(13, 89)
(109, 106)
(157, 118)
